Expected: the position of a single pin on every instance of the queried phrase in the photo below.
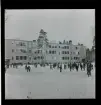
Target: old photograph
(50, 54)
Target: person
(29, 68)
(50, 66)
(84, 66)
(16, 66)
(92, 66)
(26, 67)
(70, 66)
(60, 68)
(64, 66)
(89, 69)
(81, 66)
(76, 66)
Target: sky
(60, 24)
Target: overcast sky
(60, 24)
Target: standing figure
(76, 67)
(81, 66)
(60, 68)
(64, 66)
(26, 67)
(51, 66)
(89, 69)
(84, 66)
(70, 67)
(29, 68)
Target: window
(52, 46)
(34, 58)
(25, 57)
(67, 47)
(67, 52)
(76, 48)
(49, 46)
(17, 57)
(62, 52)
(40, 36)
(12, 50)
(38, 51)
(12, 58)
(62, 58)
(55, 46)
(29, 51)
(59, 46)
(42, 57)
(38, 57)
(21, 58)
(52, 52)
(78, 53)
(49, 52)
(68, 58)
(74, 58)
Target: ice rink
(44, 83)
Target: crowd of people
(71, 66)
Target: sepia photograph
(50, 54)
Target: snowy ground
(44, 83)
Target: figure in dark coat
(89, 68)
(65, 66)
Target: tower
(42, 39)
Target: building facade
(43, 51)
(90, 55)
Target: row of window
(39, 57)
(65, 52)
(64, 47)
(21, 44)
(52, 46)
(38, 52)
(21, 57)
(22, 50)
(67, 58)
(51, 52)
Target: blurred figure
(81, 66)
(89, 68)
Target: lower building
(20, 51)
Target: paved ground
(46, 83)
